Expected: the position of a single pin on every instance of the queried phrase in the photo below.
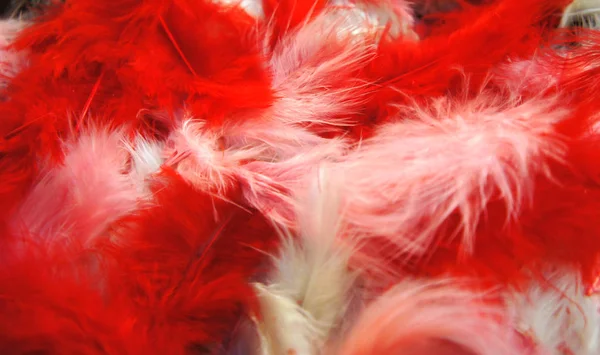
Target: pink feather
(430, 318)
(451, 157)
(82, 197)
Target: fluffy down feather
(82, 197)
(186, 262)
(11, 61)
(453, 160)
(310, 288)
(555, 312)
(430, 317)
(317, 82)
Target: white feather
(309, 291)
(586, 11)
(557, 314)
(147, 159)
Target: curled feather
(437, 317)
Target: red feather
(438, 65)
(284, 16)
(187, 262)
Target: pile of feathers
(300, 177)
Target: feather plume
(187, 261)
(435, 65)
(585, 13)
(453, 158)
(430, 317)
(316, 80)
(555, 312)
(309, 289)
(81, 198)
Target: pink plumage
(431, 318)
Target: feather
(555, 312)
(430, 317)
(147, 159)
(316, 80)
(434, 66)
(454, 159)
(187, 261)
(586, 12)
(11, 61)
(83, 197)
(310, 288)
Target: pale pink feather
(78, 200)
(311, 73)
(449, 157)
(431, 318)
(268, 159)
(394, 15)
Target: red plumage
(187, 261)
(406, 70)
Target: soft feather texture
(94, 59)
(436, 65)
(583, 12)
(151, 151)
(51, 305)
(556, 313)
(187, 261)
(316, 81)
(311, 286)
(430, 317)
(455, 158)
(265, 160)
(11, 61)
(83, 197)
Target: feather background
(279, 177)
